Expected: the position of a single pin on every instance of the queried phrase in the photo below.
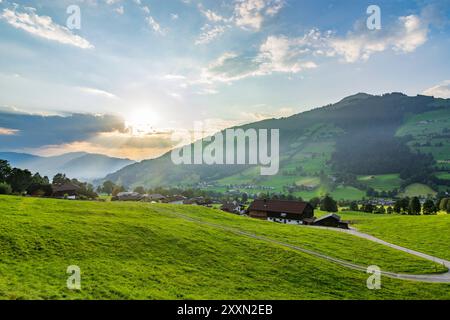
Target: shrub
(5, 188)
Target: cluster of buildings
(293, 212)
(279, 211)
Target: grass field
(428, 234)
(418, 190)
(385, 182)
(148, 251)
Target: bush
(5, 188)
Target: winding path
(433, 278)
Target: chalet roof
(230, 206)
(331, 215)
(66, 187)
(282, 206)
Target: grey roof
(331, 215)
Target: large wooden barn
(282, 211)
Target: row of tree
(22, 181)
(19, 181)
(409, 206)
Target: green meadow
(427, 234)
(155, 251)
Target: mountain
(80, 165)
(361, 144)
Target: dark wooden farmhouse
(232, 207)
(331, 220)
(281, 211)
(65, 190)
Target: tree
(39, 186)
(5, 188)
(380, 210)
(354, 206)
(244, 197)
(368, 208)
(139, 190)
(429, 207)
(60, 178)
(415, 206)
(329, 204)
(389, 210)
(117, 190)
(397, 206)
(443, 204)
(314, 202)
(5, 170)
(448, 207)
(108, 187)
(19, 180)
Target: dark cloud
(31, 131)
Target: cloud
(120, 10)
(43, 27)
(276, 55)
(291, 55)
(250, 14)
(6, 131)
(209, 33)
(211, 15)
(39, 130)
(405, 36)
(98, 92)
(114, 144)
(154, 25)
(441, 90)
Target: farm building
(331, 220)
(127, 196)
(68, 190)
(287, 212)
(153, 197)
(232, 207)
(176, 199)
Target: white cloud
(154, 25)
(405, 36)
(275, 55)
(250, 14)
(6, 131)
(211, 15)
(174, 16)
(98, 92)
(441, 90)
(120, 10)
(43, 26)
(209, 33)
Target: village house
(331, 220)
(153, 197)
(281, 211)
(65, 190)
(127, 196)
(232, 207)
(176, 199)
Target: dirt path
(434, 278)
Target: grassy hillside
(334, 149)
(146, 251)
(428, 234)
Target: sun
(141, 121)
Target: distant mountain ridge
(331, 150)
(80, 165)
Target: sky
(136, 70)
